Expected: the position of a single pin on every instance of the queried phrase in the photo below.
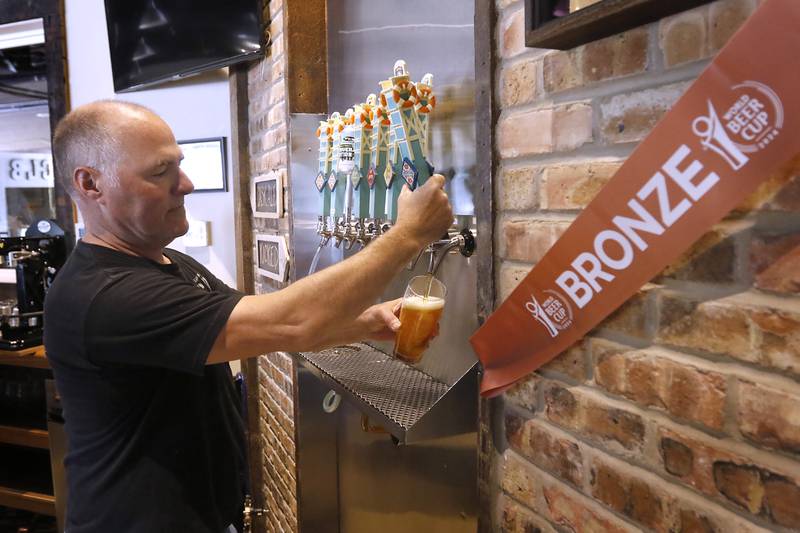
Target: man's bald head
(91, 136)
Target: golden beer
(419, 318)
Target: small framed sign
(266, 196)
(272, 256)
(205, 163)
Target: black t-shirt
(155, 436)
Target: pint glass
(419, 317)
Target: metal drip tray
(405, 401)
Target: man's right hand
(425, 214)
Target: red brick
(528, 240)
(573, 186)
(517, 188)
(773, 262)
(624, 491)
(682, 389)
(518, 519)
(524, 392)
(594, 417)
(571, 511)
(276, 23)
(741, 484)
(678, 458)
(525, 133)
(779, 337)
(545, 448)
(277, 92)
(561, 71)
(572, 126)
(571, 362)
(783, 501)
(616, 56)
(509, 278)
(277, 115)
(693, 522)
(683, 37)
(725, 17)
(519, 82)
(712, 467)
(778, 193)
(715, 326)
(630, 117)
(512, 34)
(769, 417)
(712, 258)
(635, 316)
(519, 480)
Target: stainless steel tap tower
(383, 446)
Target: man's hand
(380, 322)
(425, 214)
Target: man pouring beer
(139, 335)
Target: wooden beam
(307, 44)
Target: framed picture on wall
(272, 256)
(266, 196)
(205, 163)
(565, 24)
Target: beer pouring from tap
(420, 311)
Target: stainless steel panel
(426, 487)
(430, 484)
(317, 458)
(305, 197)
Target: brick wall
(268, 151)
(681, 412)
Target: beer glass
(422, 306)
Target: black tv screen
(152, 41)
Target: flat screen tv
(153, 41)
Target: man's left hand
(380, 322)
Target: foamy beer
(422, 306)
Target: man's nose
(185, 185)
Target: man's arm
(330, 307)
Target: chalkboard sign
(272, 256)
(266, 196)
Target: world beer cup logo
(554, 313)
(752, 119)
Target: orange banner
(739, 122)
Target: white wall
(195, 108)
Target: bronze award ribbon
(738, 123)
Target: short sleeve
(148, 317)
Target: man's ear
(84, 179)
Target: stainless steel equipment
(383, 446)
(28, 265)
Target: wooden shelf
(31, 357)
(34, 502)
(28, 437)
